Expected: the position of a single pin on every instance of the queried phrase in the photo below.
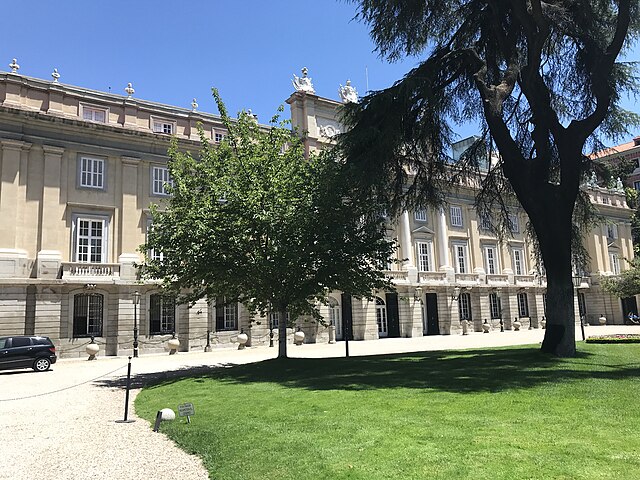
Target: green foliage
(491, 414)
(615, 339)
(254, 221)
(627, 284)
(543, 81)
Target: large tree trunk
(552, 221)
(282, 333)
(559, 338)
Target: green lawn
(508, 413)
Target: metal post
(207, 347)
(530, 323)
(126, 398)
(135, 330)
(582, 327)
(347, 329)
(501, 325)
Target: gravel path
(66, 427)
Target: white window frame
(218, 135)
(104, 221)
(461, 256)
(93, 110)
(455, 216)
(92, 172)
(491, 260)
(519, 262)
(231, 316)
(514, 223)
(485, 223)
(420, 215)
(153, 254)
(158, 183)
(614, 263)
(163, 126)
(636, 185)
(424, 255)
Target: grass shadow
(479, 370)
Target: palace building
(79, 170)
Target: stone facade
(80, 169)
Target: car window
(21, 342)
(3, 342)
(41, 341)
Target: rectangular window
(159, 180)
(153, 253)
(485, 223)
(420, 215)
(91, 172)
(90, 240)
(162, 314)
(614, 260)
(218, 136)
(456, 216)
(87, 315)
(464, 306)
(612, 231)
(424, 256)
(163, 126)
(518, 261)
(460, 256)
(523, 305)
(494, 305)
(636, 185)
(514, 224)
(226, 315)
(94, 114)
(491, 260)
(231, 317)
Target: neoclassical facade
(79, 170)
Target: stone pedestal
(49, 263)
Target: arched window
(335, 318)
(381, 318)
(523, 304)
(162, 314)
(87, 315)
(464, 306)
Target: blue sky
(175, 51)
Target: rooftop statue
(348, 93)
(303, 84)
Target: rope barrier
(61, 389)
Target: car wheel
(41, 364)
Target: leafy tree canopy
(543, 80)
(254, 221)
(627, 284)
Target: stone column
(407, 249)
(52, 228)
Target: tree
(627, 284)
(252, 220)
(543, 81)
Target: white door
(381, 318)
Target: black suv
(27, 352)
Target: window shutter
(154, 314)
(219, 314)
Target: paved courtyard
(61, 424)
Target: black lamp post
(577, 281)
(270, 330)
(136, 300)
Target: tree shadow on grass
(480, 370)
